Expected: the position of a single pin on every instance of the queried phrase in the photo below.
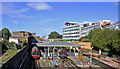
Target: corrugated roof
(57, 43)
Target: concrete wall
(14, 40)
(20, 38)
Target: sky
(44, 17)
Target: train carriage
(35, 52)
(62, 53)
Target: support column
(53, 53)
(90, 64)
(74, 51)
(45, 52)
(48, 52)
(69, 50)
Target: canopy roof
(57, 44)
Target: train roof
(34, 48)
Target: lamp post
(53, 53)
(90, 63)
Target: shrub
(85, 40)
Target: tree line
(106, 39)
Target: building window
(25, 35)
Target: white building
(75, 30)
(115, 25)
(17, 41)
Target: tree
(54, 34)
(24, 42)
(85, 40)
(106, 40)
(11, 45)
(92, 32)
(5, 33)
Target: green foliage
(0, 35)
(85, 40)
(5, 42)
(92, 32)
(5, 33)
(9, 45)
(54, 35)
(8, 54)
(106, 39)
(24, 42)
(19, 46)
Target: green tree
(5, 33)
(24, 42)
(106, 40)
(11, 45)
(85, 40)
(54, 34)
(5, 42)
(92, 32)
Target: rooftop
(57, 44)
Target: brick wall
(87, 44)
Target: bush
(5, 42)
(85, 40)
(11, 45)
(24, 42)
(19, 46)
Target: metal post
(48, 52)
(53, 53)
(74, 51)
(90, 58)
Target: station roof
(57, 44)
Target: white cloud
(11, 10)
(15, 22)
(40, 6)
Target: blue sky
(43, 18)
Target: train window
(33, 53)
(37, 52)
(62, 52)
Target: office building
(76, 30)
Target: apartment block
(22, 35)
(76, 30)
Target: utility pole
(90, 63)
(53, 56)
(53, 53)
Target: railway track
(103, 65)
(17, 60)
(38, 64)
(69, 63)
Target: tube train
(62, 53)
(35, 52)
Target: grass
(8, 54)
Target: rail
(16, 62)
(103, 65)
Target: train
(35, 52)
(62, 53)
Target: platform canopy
(58, 44)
